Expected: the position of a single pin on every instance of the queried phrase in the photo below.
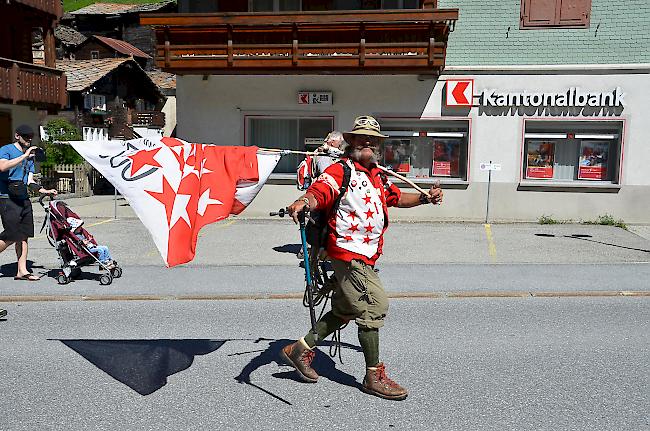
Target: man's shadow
(11, 269)
(288, 248)
(323, 364)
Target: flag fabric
(176, 187)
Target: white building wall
(213, 110)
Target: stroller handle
(40, 200)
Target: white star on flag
(180, 210)
(206, 200)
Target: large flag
(176, 188)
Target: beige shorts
(359, 294)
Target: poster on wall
(397, 155)
(446, 158)
(594, 156)
(540, 158)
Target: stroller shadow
(323, 364)
(9, 270)
(142, 365)
(83, 275)
(288, 248)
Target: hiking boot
(377, 383)
(300, 357)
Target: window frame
(556, 21)
(534, 183)
(390, 121)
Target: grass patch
(548, 219)
(607, 220)
(70, 5)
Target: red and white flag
(176, 188)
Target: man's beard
(355, 154)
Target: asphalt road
(470, 364)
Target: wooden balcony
(31, 84)
(410, 41)
(51, 7)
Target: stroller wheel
(105, 279)
(62, 279)
(116, 272)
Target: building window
(567, 151)
(95, 102)
(427, 149)
(400, 4)
(94, 55)
(555, 13)
(288, 133)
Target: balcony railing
(368, 41)
(52, 7)
(31, 84)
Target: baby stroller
(73, 253)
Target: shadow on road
(323, 364)
(583, 237)
(288, 248)
(10, 269)
(142, 365)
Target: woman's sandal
(27, 277)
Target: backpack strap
(347, 173)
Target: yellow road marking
(86, 225)
(492, 248)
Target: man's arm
(33, 185)
(6, 164)
(409, 200)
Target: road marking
(85, 225)
(492, 248)
(299, 296)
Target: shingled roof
(119, 8)
(69, 35)
(82, 74)
(163, 80)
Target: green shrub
(608, 220)
(547, 219)
(61, 130)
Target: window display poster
(540, 158)
(446, 158)
(593, 160)
(397, 155)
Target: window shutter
(575, 13)
(538, 13)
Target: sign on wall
(460, 92)
(314, 97)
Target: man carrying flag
(354, 243)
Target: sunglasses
(374, 140)
(367, 121)
(27, 137)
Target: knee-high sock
(325, 326)
(369, 340)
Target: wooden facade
(408, 41)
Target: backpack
(316, 231)
(305, 173)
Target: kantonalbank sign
(573, 97)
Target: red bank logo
(460, 92)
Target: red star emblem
(142, 158)
(369, 214)
(366, 240)
(347, 238)
(166, 197)
(354, 227)
(368, 228)
(171, 142)
(367, 200)
(353, 215)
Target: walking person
(356, 229)
(16, 176)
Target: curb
(292, 296)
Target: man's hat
(74, 222)
(24, 130)
(365, 125)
